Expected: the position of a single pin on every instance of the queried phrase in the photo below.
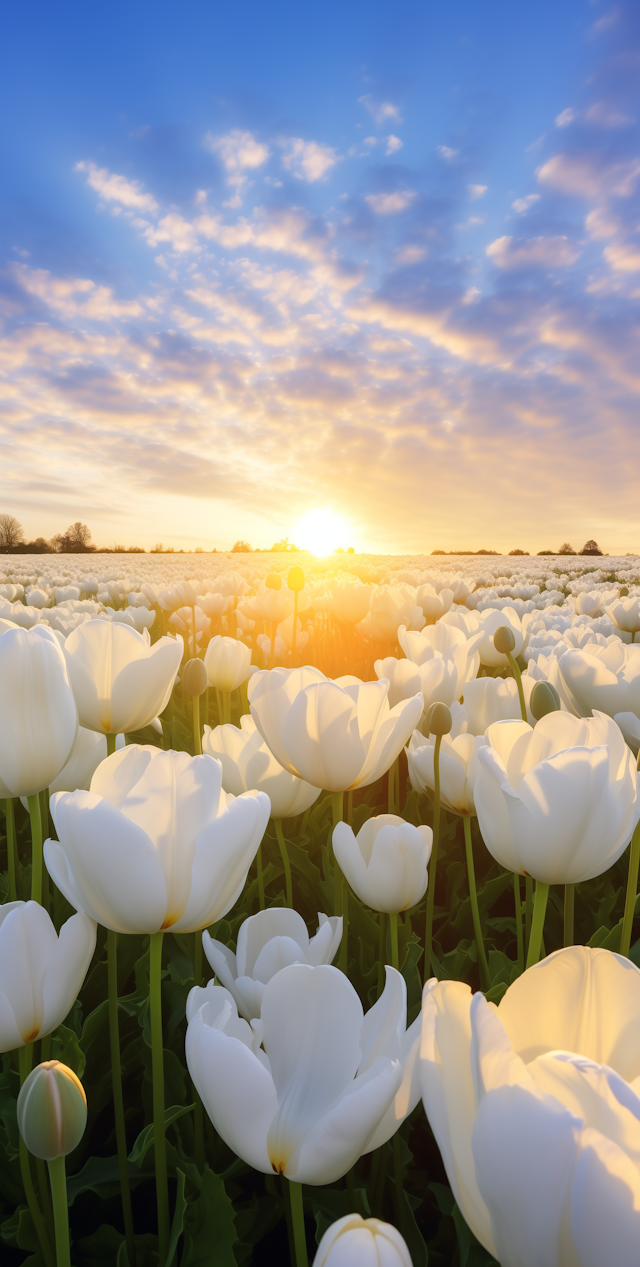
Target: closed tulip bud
(295, 579)
(357, 1242)
(439, 719)
(273, 581)
(624, 591)
(504, 640)
(194, 678)
(544, 699)
(52, 1111)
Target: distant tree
(480, 552)
(158, 548)
(591, 547)
(438, 552)
(281, 547)
(76, 540)
(241, 547)
(565, 548)
(546, 552)
(136, 550)
(11, 533)
(519, 552)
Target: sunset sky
(379, 260)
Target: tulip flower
(356, 1242)
(458, 767)
(433, 604)
(606, 678)
(535, 1109)
(247, 763)
(52, 1116)
(558, 802)
(445, 661)
(626, 614)
(39, 715)
(350, 601)
(491, 620)
(120, 682)
(335, 737)
(227, 662)
(41, 972)
(155, 843)
(330, 1085)
(386, 863)
(268, 942)
(88, 751)
(390, 608)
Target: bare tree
(565, 548)
(591, 547)
(11, 533)
(241, 547)
(76, 539)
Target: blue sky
(263, 260)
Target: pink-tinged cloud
(307, 159)
(516, 253)
(623, 257)
(391, 204)
(582, 176)
(114, 188)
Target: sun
(321, 532)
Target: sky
(377, 263)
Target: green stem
(528, 910)
(537, 923)
(226, 707)
(111, 744)
(518, 906)
(45, 1197)
(297, 1219)
(393, 928)
(294, 630)
(433, 861)
(382, 951)
(36, 848)
(157, 1066)
(277, 822)
(260, 878)
(197, 742)
(398, 1187)
(118, 1099)
(518, 676)
(58, 1179)
(630, 900)
(341, 888)
(392, 803)
(350, 808)
(569, 899)
(25, 1055)
(477, 927)
(10, 823)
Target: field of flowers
(318, 935)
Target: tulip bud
(273, 581)
(439, 719)
(194, 677)
(544, 699)
(362, 1243)
(52, 1111)
(503, 640)
(624, 591)
(295, 579)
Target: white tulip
(247, 763)
(39, 715)
(41, 972)
(120, 682)
(356, 1242)
(268, 942)
(227, 662)
(386, 863)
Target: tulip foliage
(252, 797)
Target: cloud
(566, 117)
(516, 253)
(410, 255)
(623, 257)
(307, 159)
(114, 188)
(74, 296)
(600, 223)
(521, 205)
(174, 229)
(390, 204)
(240, 153)
(446, 153)
(605, 116)
(582, 176)
(476, 191)
(380, 111)
(393, 144)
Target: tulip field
(320, 923)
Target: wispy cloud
(391, 204)
(381, 111)
(114, 188)
(522, 205)
(240, 153)
(518, 253)
(308, 160)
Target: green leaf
(178, 1218)
(145, 1138)
(209, 1227)
(65, 1047)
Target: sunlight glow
(321, 531)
